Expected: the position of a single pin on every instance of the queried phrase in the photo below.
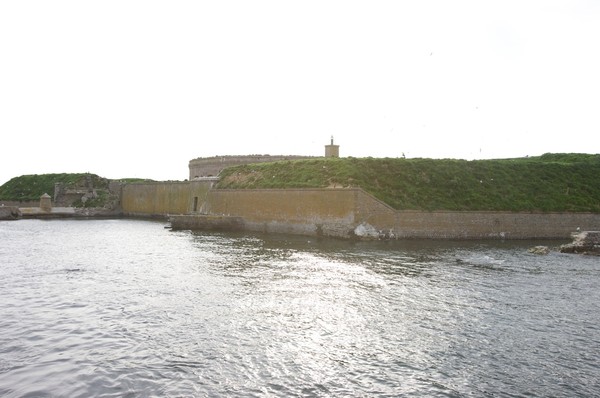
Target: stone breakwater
(587, 242)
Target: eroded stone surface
(586, 242)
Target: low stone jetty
(585, 242)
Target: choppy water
(127, 308)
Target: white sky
(138, 88)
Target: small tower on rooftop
(332, 151)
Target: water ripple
(136, 310)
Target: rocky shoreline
(10, 213)
(585, 242)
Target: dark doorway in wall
(195, 204)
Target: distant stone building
(211, 167)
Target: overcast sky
(138, 88)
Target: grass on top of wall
(551, 182)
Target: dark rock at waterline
(9, 213)
(586, 242)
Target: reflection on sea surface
(127, 308)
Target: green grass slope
(31, 187)
(551, 182)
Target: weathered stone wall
(210, 167)
(339, 213)
(67, 196)
(163, 198)
(353, 212)
(28, 203)
(328, 212)
(492, 225)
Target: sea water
(128, 308)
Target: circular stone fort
(211, 167)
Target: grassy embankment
(30, 187)
(548, 183)
(551, 182)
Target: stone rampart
(161, 199)
(328, 212)
(491, 225)
(342, 213)
(28, 203)
(355, 213)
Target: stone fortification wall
(354, 213)
(210, 167)
(378, 219)
(492, 225)
(16, 203)
(328, 212)
(337, 213)
(163, 198)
